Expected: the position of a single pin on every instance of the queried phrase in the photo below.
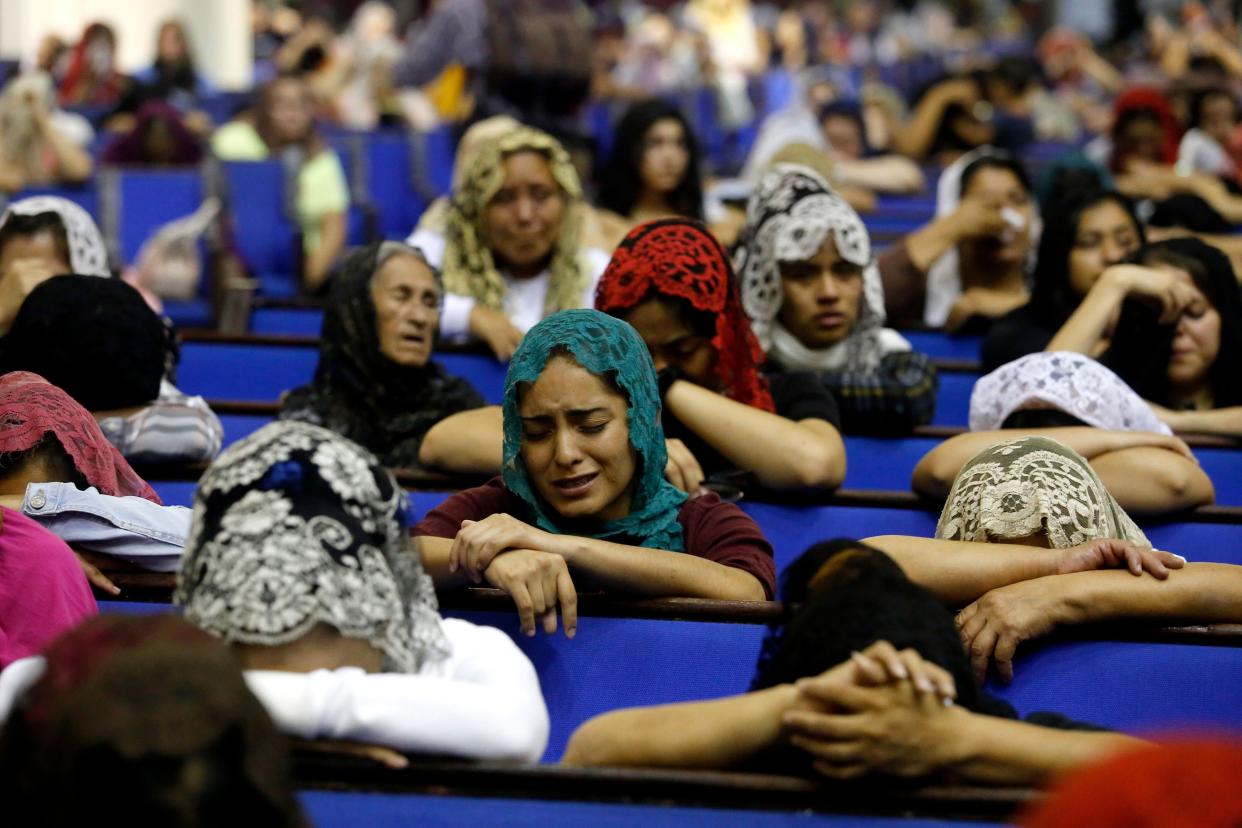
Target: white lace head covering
(296, 526)
(1028, 486)
(788, 217)
(88, 256)
(944, 276)
(1065, 381)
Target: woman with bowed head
(301, 560)
(672, 281)
(582, 500)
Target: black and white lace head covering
(1062, 381)
(788, 217)
(296, 526)
(88, 256)
(1032, 485)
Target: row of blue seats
(792, 528)
(1140, 687)
(883, 463)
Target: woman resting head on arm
(582, 497)
(865, 675)
(300, 558)
(654, 168)
(813, 294)
(1186, 357)
(673, 283)
(1077, 401)
(376, 383)
(513, 237)
(149, 709)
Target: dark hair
(18, 225)
(1189, 212)
(864, 599)
(51, 454)
(1017, 72)
(852, 111)
(1052, 296)
(1041, 418)
(162, 721)
(1199, 101)
(1141, 346)
(111, 350)
(946, 137)
(994, 160)
(620, 181)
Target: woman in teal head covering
(582, 497)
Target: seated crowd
(671, 341)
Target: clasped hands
(531, 565)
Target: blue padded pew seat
(306, 321)
(945, 346)
(239, 426)
(887, 463)
(623, 662)
(232, 371)
(1142, 688)
(791, 529)
(953, 399)
(227, 371)
(347, 809)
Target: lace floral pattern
(788, 217)
(680, 259)
(88, 255)
(1033, 485)
(295, 526)
(602, 345)
(1065, 381)
(31, 407)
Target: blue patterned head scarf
(602, 345)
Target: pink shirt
(43, 591)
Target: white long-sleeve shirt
(481, 702)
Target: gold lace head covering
(469, 267)
(1032, 485)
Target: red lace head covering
(1153, 100)
(30, 407)
(680, 259)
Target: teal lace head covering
(602, 345)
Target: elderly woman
(375, 383)
(582, 497)
(300, 559)
(1074, 399)
(513, 248)
(812, 291)
(284, 122)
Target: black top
(797, 395)
(1016, 334)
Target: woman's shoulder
(444, 520)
